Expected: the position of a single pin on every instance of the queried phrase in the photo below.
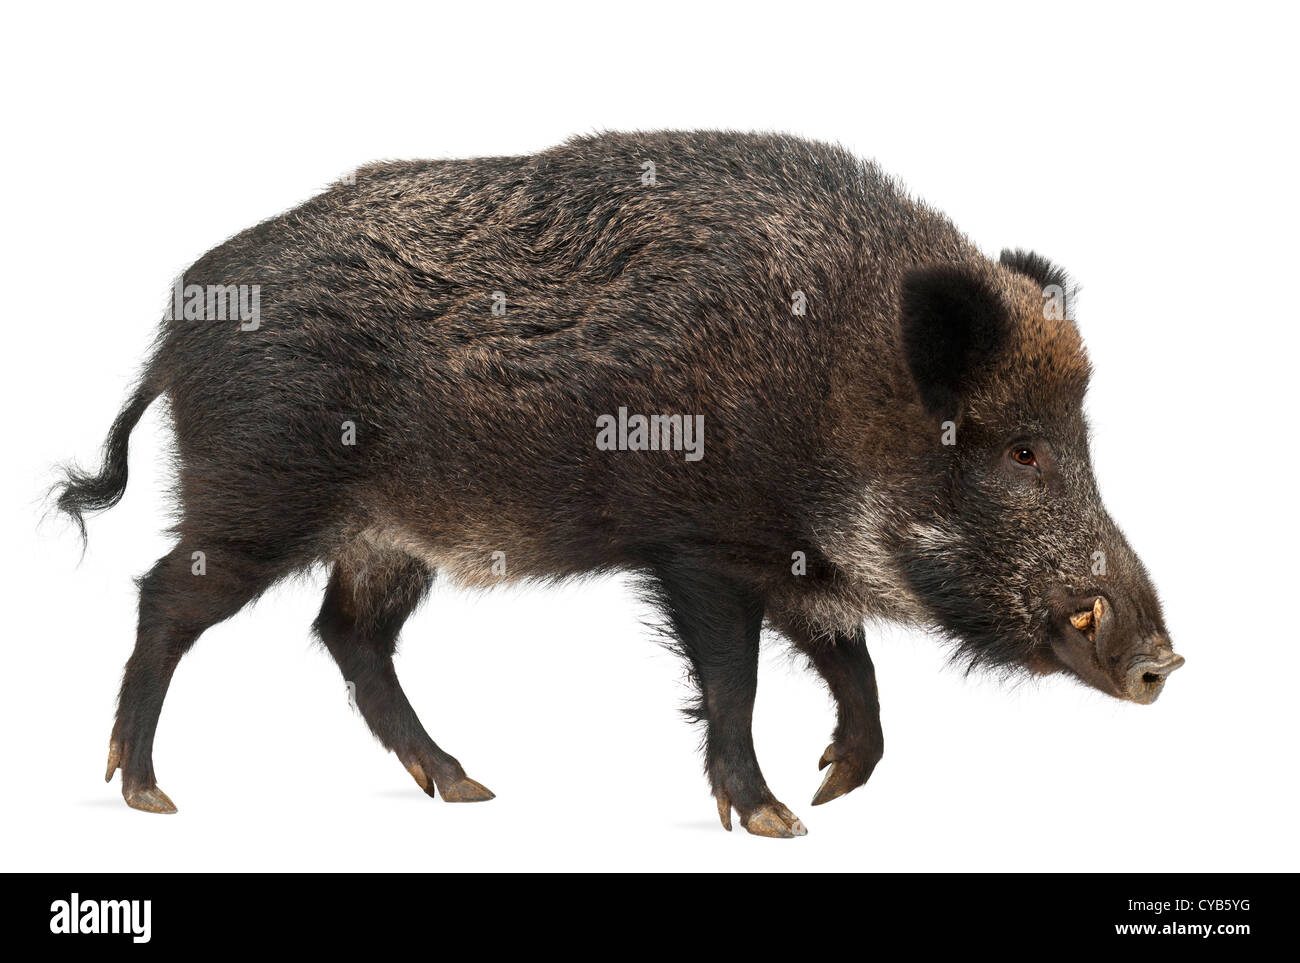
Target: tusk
(1088, 622)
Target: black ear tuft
(1036, 268)
(954, 324)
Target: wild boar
(749, 368)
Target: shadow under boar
(453, 366)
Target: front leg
(858, 743)
(716, 624)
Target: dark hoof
(467, 790)
(149, 800)
(771, 819)
(462, 789)
(774, 821)
(848, 770)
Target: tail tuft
(81, 492)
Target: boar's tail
(82, 492)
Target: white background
(1150, 152)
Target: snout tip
(1146, 679)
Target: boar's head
(1014, 556)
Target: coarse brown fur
(861, 369)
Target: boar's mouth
(1087, 644)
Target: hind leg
(179, 600)
(368, 599)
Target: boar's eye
(1024, 456)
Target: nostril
(1151, 678)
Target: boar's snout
(1146, 676)
(1105, 652)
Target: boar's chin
(1079, 662)
(988, 631)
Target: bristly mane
(1037, 268)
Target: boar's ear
(954, 324)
